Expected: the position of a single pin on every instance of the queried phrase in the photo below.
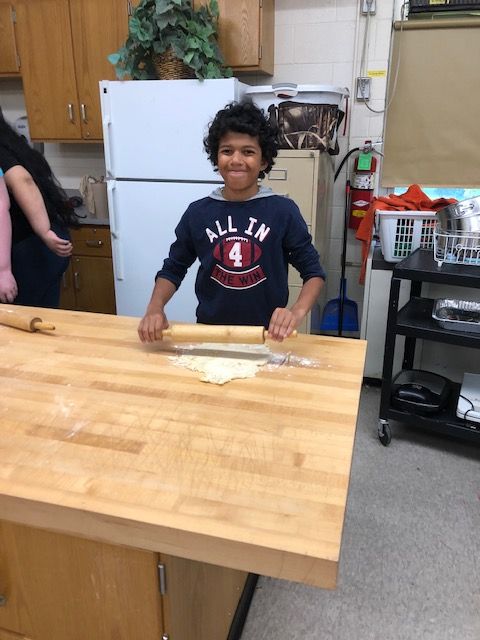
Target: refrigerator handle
(107, 145)
(116, 242)
(112, 214)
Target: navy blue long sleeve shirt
(244, 249)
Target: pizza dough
(233, 361)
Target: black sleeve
(181, 256)
(7, 160)
(301, 252)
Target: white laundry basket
(403, 232)
(265, 95)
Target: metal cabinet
(307, 178)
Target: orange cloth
(412, 200)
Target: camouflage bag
(306, 126)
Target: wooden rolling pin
(217, 333)
(19, 320)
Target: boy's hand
(8, 286)
(151, 326)
(282, 323)
(59, 246)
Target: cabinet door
(74, 589)
(9, 635)
(99, 27)
(67, 291)
(245, 34)
(8, 48)
(93, 281)
(200, 599)
(46, 59)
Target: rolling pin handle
(166, 333)
(39, 325)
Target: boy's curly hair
(242, 117)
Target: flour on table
(235, 361)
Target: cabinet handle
(64, 281)
(3, 601)
(76, 280)
(83, 109)
(94, 243)
(278, 174)
(71, 116)
(129, 8)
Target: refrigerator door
(143, 217)
(154, 129)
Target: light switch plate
(368, 6)
(362, 93)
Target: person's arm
(8, 286)
(180, 258)
(155, 320)
(284, 320)
(303, 256)
(23, 188)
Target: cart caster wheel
(384, 433)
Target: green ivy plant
(157, 25)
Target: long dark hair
(55, 198)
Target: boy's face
(239, 163)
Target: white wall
(316, 42)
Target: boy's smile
(239, 163)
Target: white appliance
(468, 406)
(153, 134)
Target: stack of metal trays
(457, 315)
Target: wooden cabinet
(306, 177)
(63, 46)
(9, 63)
(59, 587)
(88, 282)
(246, 34)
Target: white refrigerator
(153, 138)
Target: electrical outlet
(368, 6)
(363, 89)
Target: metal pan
(460, 216)
(457, 315)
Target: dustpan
(340, 314)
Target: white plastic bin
(265, 95)
(401, 232)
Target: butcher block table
(135, 500)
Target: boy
(244, 237)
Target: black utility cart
(414, 320)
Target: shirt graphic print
(237, 254)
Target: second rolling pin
(217, 333)
(23, 321)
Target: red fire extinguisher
(363, 184)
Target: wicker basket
(169, 67)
